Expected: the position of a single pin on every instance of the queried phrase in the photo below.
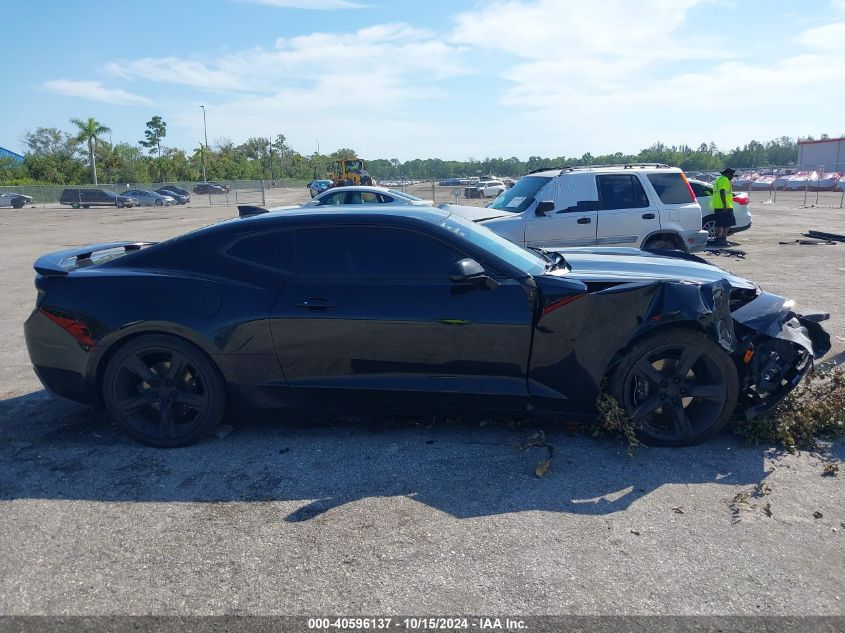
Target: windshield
(513, 254)
(402, 194)
(519, 197)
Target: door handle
(648, 216)
(314, 303)
(584, 220)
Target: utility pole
(205, 147)
(272, 171)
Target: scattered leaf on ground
(817, 515)
(677, 510)
(830, 470)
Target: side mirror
(470, 272)
(544, 207)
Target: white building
(826, 155)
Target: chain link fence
(217, 193)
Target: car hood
(631, 264)
(475, 214)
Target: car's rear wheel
(163, 391)
(677, 387)
(118, 204)
(661, 243)
(86, 206)
(74, 205)
(709, 225)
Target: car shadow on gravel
(55, 450)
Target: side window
(363, 251)
(620, 191)
(332, 198)
(271, 250)
(368, 197)
(383, 198)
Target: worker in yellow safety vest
(722, 204)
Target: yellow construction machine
(350, 171)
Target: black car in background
(176, 189)
(210, 188)
(413, 309)
(86, 198)
(178, 197)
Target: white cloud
(315, 5)
(94, 91)
(377, 57)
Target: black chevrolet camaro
(416, 309)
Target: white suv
(642, 205)
(485, 189)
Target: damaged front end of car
(775, 348)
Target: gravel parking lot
(386, 517)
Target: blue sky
(452, 79)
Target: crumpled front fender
(773, 316)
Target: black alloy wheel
(159, 203)
(163, 391)
(677, 387)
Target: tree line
(87, 155)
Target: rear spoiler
(247, 210)
(58, 264)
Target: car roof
(648, 168)
(358, 188)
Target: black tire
(164, 391)
(708, 223)
(86, 206)
(17, 204)
(672, 405)
(661, 243)
(119, 205)
(159, 203)
(74, 205)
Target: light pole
(205, 132)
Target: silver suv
(645, 205)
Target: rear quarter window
(670, 188)
(269, 250)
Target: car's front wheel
(677, 387)
(163, 391)
(74, 205)
(159, 203)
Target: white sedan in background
(704, 193)
(365, 195)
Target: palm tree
(88, 132)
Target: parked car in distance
(704, 194)
(647, 206)
(14, 200)
(86, 198)
(389, 308)
(485, 189)
(149, 198)
(176, 189)
(210, 188)
(365, 194)
(177, 197)
(316, 187)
